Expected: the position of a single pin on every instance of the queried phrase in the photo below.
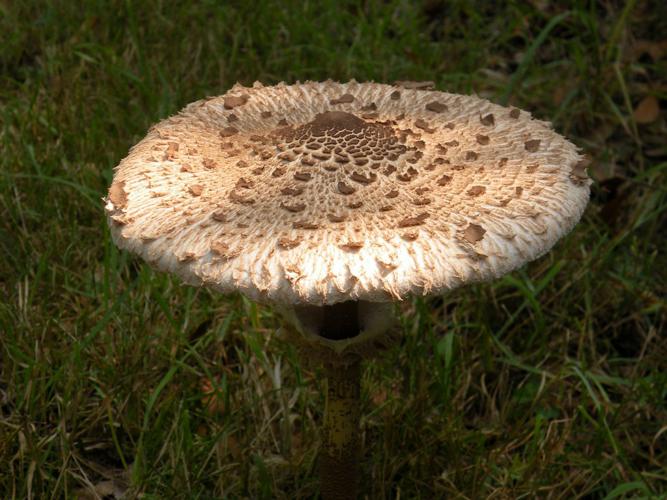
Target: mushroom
(331, 213)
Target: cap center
(335, 138)
(334, 121)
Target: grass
(114, 379)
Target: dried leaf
(647, 111)
(211, 399)
(656, 50)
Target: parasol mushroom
(331, 201)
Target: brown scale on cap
(243, 183)
(231, 102)
(408, 175)
(482, 139)
(236, 197)
(436, 107)
(117, 194)
(421, 201)
(288, 243)
(336, 218)
(187, 257)
(345, 188)
(303, 176)
(228, 132)
(196, 189)
(578, 174)
(344, 99)
(172, 149)
(424, 125)
(221, 250)
(292, 191)
(474, 233)
(476, 191)
(352, 246)
(363, 179)
(320, 156)
(532, 145)
(298, 207)
(414, 85)
(219, 215)
(311, 226)
(344, 171)
(413, 221)
(487, 120)
(415, 157)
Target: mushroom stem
(340, 336)
(339, 457)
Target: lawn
(119, 380)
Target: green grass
(549, 383)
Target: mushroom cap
(318, 193)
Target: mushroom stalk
(339, 458)
(340, 336)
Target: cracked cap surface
(318, 193)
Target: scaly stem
(339, 458)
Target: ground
(118, 380)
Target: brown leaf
(648, 110)
(656, 50)
(211, 399)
